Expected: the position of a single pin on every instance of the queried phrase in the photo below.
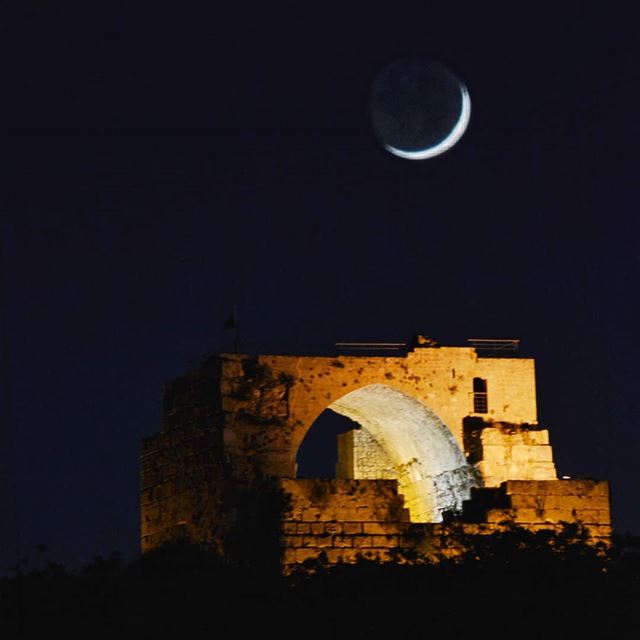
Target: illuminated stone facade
(443, 433)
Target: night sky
(161, 165)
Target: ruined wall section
(503, 451)
(336, 521)
(182, 468)
(537, 505)
(344, 521)
(257, 418)
(181, 487)
(515, 455)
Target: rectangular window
(480, 400)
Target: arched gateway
(231, 431)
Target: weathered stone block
(499, 515)
(290, 527)
(382, 555)
(529, 515)
(491, 437)
(380, 528)
(521, 453)
(559, 515)
(541, 453)
(361, 541)
(344, 555)
(527, 487)
(542, 471)
(385, 541)
(333, 528)
(342, 541)
(352, 528)
(293, 541)
(309, 514)
(301, 555)
(314, 542)
(528, 501)
(494, 454)
(599, 530)
(540, 437)
(590, 516)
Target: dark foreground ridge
(514, 584)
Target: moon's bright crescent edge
(448, 142)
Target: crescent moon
(446, 143)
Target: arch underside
(433, 474)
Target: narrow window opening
(480, 403)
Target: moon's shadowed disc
(418, 107)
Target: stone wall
(502, 451)
(181, 487)
(544, 504)
(341, 521)
(182, 467)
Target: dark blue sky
(161, 165)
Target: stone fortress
(446, 436)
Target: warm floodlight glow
(448, 142)
(433, 474)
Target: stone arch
(433, 474)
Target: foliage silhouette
(517, 584)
